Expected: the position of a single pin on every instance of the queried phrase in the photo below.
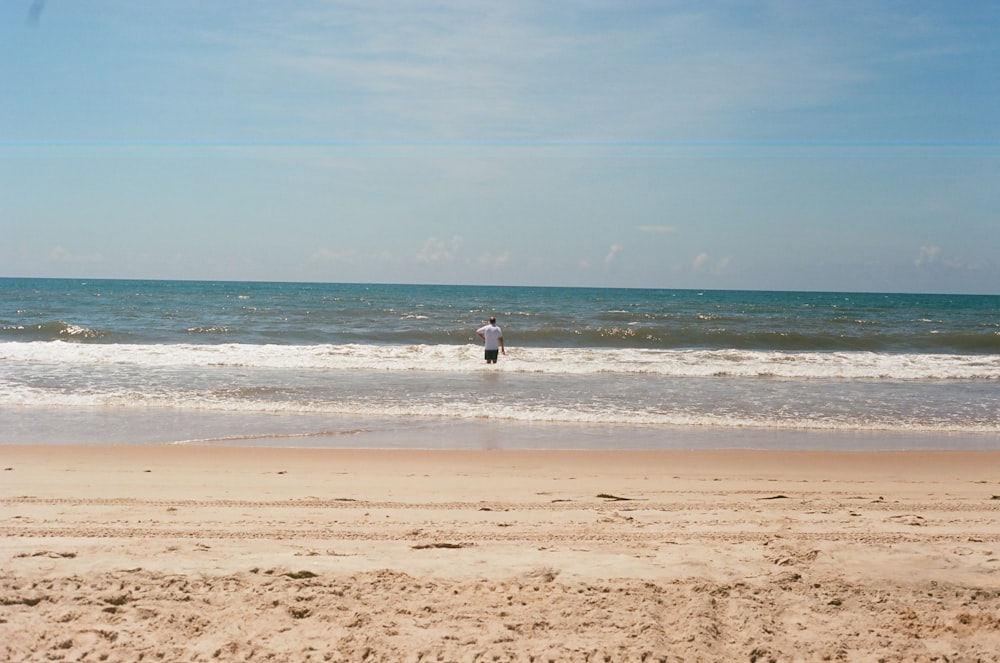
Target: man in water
(493, 337)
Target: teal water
(171, 312)
(334, 364)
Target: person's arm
(502, 348)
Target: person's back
(492, 335)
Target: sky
(732, 144)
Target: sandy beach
(179, 553)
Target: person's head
(493, 320)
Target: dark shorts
(491, 355)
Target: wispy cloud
(612, 254)
(928, 255)
(519, 70)
(522, 70)
(703, 263)
(435, 251)
(60, 254)
(491, 260)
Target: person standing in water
(493, 336)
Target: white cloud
(928, 255)
(322, 255)
(61, 254)
(446, 69)
(435, 251)
(703, 262)
(490, 261)
(612, 255)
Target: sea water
(303, 364)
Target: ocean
(390, 366)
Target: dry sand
(170, 553)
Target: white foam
(554, 361)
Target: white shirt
(493, 335)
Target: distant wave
(56, 330)
(709, 334)
(210, 330)
(552, 360)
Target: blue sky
(791, 144)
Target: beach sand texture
(173, 553)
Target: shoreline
(220, 553)
(122, 427)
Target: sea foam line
(267, 436)
(525, 413)
(554, 361)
